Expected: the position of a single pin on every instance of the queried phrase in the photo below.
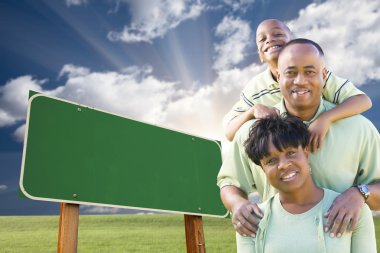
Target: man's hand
(261, 111)
(318, 130)
(345, 209)
(244, 222)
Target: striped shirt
(263, 89)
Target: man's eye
(290, 73)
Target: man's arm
(243, 220)
(351, 106)
(346, 208)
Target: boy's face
(271, 36)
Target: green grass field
(117, 233)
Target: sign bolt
(79, 109)
(75, 195)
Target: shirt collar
(268, 78)
(284, 113)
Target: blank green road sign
(77, 154)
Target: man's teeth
(300, 92)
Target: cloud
(236, 39)
(20, 133)
(99, 209)
(136, 94)
(3, 187)
(240, 5)
(14, 98)
(75, 2)
(154, 18)
(348, 33)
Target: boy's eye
(261, 39)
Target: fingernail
(339, 235)
(332, 235)
(326, 229)
(244, 235)
(253, 235)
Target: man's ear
(324, 73)
(278, 75)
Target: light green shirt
(349, 155)
(263, 89)
(282, 232)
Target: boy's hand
(318, 130)
(261, 111)
(243, 220)
(344, 212)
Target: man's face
(301, 75)
(271, 36)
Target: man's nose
(299, 79)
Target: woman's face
(286, 170)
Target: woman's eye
(271, 161)
(291, 153)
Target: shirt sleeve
(369, 161)
(236, 169)
(337, 90)
(363, 237)
(238, 108)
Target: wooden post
(68, 228)
(195, 242)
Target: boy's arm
(351, 106)
(255, 112)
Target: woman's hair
(282, 132)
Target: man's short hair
(303, 41)
(282, 132)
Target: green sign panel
(77, 154)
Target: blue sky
(179, 64)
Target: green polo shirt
(263, 89)
(349, 155)
(281, 231)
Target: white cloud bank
(136, 94)
(236, 39)
(349, 33)
(154, 18)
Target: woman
(293, 219)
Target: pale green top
(282, 232)
(349, 155)
(263, 89)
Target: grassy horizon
(118, 233)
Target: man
(348, 162)
(262, 91)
